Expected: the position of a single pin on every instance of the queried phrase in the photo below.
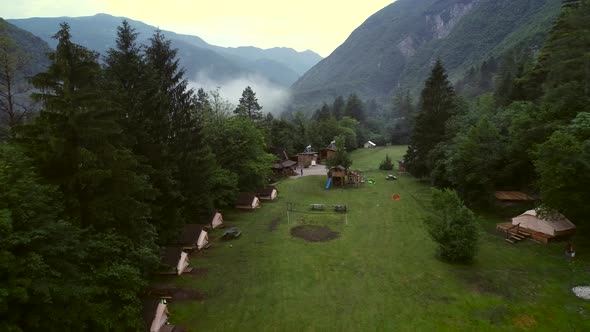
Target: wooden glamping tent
(216, 220)
(554, 226)
(155, 316)
(176, 261)
(194, 237)
(247, 201)
(269, 193)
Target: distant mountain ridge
(280, 65)
(396, 46)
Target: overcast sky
(319, 25)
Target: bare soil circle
(314, 233)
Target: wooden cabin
(155, 316)
(285, 168)
(268, 193)
(306, 159)
(194, 236)
(175, 260)
(327, 153)
(247, 201)
(216, 220)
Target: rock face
(396, 46)
(443, 22)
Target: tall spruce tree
(355, 108)
(248, 106)
(338, 107)
(437, 102)
(76, 143)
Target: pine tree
(436, 106)
(355, 108)
(126, 84)
(323, 114)
(76, 143)
(248, 105)
(338, 107)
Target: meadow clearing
(381, 273)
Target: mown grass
(381, 274)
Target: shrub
(386, 165)
(453, 226)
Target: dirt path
(311, 170)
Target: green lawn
(380, 275)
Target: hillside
(34, 47)
(395, 47)
(21, 55)
(279, 65)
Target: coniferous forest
(119, 153)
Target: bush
(453, 226)
(386, 165)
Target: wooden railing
(508, 233)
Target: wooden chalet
(247, 201)
(326, 153)
(194, 236)
(306, 159)
(216, 220)
(285, 168)
(155, 316)
(174, 260)
(268, 193)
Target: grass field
(381, 274)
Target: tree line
(121, 154)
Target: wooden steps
(513, 233)
(507, 228)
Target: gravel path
(311, 170)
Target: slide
(329, 183)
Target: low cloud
(271, 96)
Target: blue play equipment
(329, 183)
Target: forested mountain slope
(396, 47)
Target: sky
(318, 25)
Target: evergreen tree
(340, 158)
(338, 107)
(323, 114)
(248, 105)
(126, 83)
(77, 144)
(453, 226)
(436, 106)
(355, 108)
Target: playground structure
(339, 176)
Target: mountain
(395, 47)
(27, 43)
(280, 65)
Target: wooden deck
(537, 236)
